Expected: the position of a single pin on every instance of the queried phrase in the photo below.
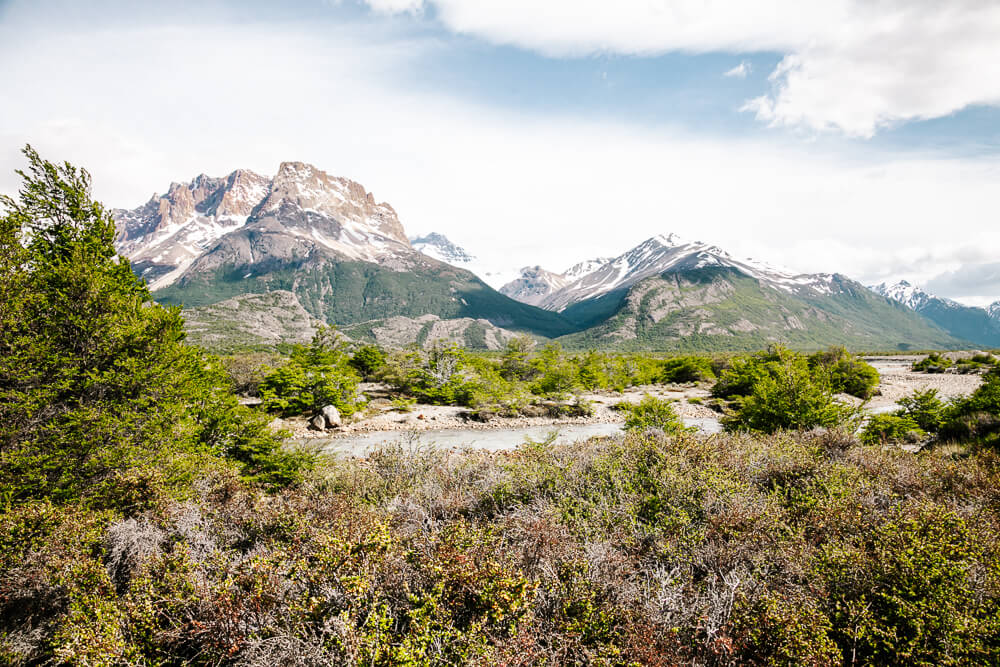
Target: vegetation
(100, 401)
(651, 413)
(783, 549)
(316, 375)
(782, 389)
(891, 429)
(147, 518)
(935, 362)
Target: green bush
(556, 376)
(933, 363)
(885, 429)
(687, 369)
(786, 396)
(976, 416)
(651, 412)
(368, 360)
(743, 373)
(846, 374)
(925, 408)
(315, 376)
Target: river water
(488, 439)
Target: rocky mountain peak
(994, 310)
(302, 186)
(440, 247)
(905, 293)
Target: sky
(858, 137)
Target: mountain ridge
(977, 325)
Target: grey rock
(318, 422)
(332, 416)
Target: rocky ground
(897, 381)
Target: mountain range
(325, 239)
(343, 258)
(978, 325)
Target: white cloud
(141, 107)
(396, 6)
(852, 66)
(740, 71)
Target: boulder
(318, 422)
(332, 416)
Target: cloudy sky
(861, 137)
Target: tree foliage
(98, 394)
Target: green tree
(317, 375)
(99, 397)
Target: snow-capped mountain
(166, 236)
(670, 253)
(326, 239)
(993, 310)
(533, 285)
(170, 231)
(909, 295)
(584, 268)
(977, 325)
(441, 248)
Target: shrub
(687, 369)
(786, 397)
(925, 408)
(651, 412)
(555, 375)
(884, 429)
(743, 373)
(514, 363)
(976, 416)
(247, 371)
(846, 374)
(932, 363)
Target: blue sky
(841, 136)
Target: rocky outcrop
(430, 330)
(251, 320)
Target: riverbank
(452, 426)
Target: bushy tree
(514, 364)
(924, 408)
(687, 369)
(368, 360)
(98, 394)
(846, 373)
(786, 396)
(316, 375)
(555, 375)
(744, 373)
